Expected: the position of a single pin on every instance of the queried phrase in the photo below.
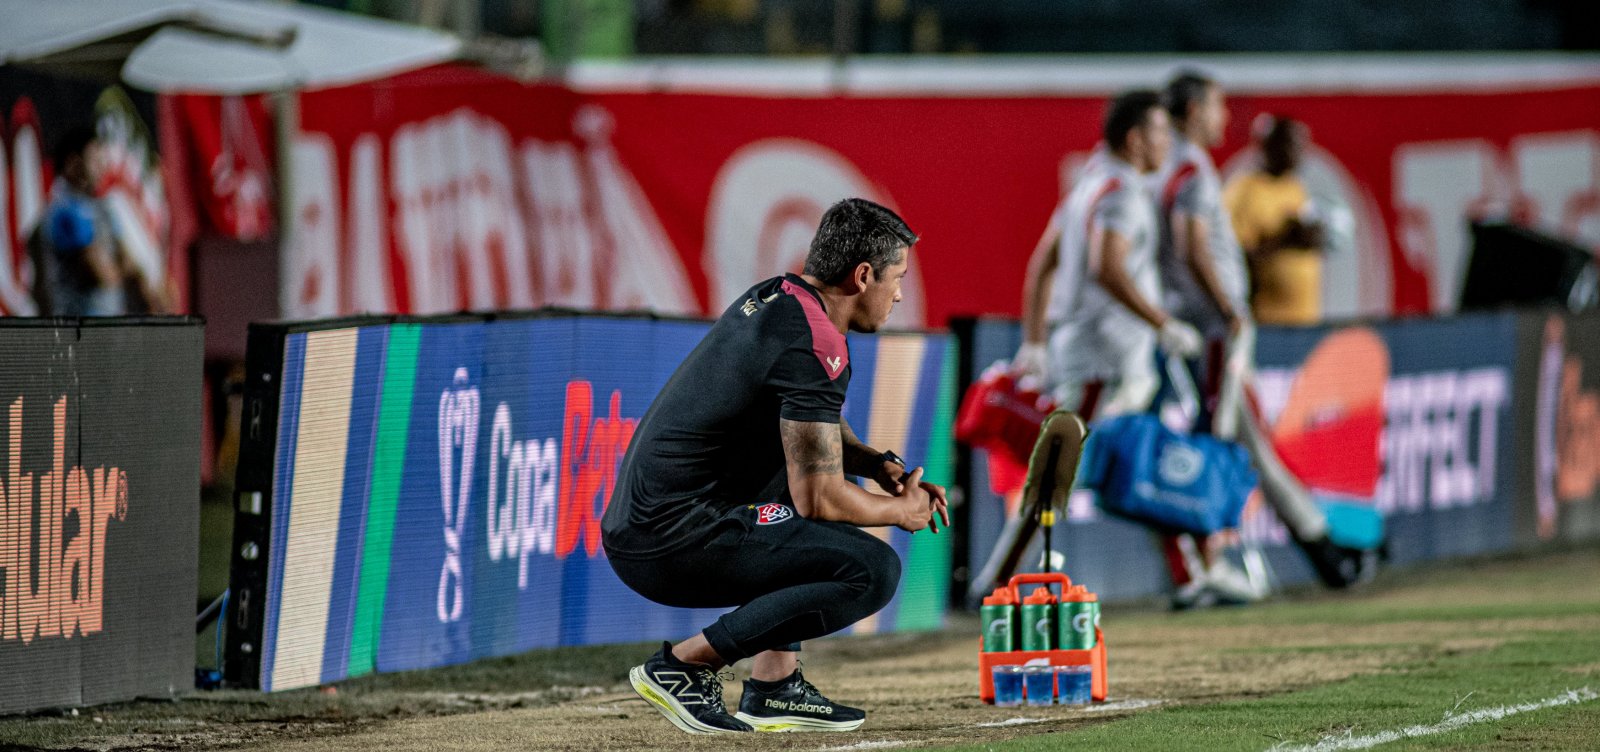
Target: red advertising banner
(453, 189)
(222, 159)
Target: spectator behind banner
(81, 266)
(1277, 226)
(74, 250)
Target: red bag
(1002, 416)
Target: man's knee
(882, 579)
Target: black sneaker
(1337, 566)
(795, 705)
(688, 694)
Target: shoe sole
(662, 700)
(1072, 431)
(790, 723)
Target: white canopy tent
(214, 46)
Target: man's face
(83, 170)
(1213, 114)
(882, 291)
(1152, 141)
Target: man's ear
(860, 276)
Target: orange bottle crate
(1094, 657)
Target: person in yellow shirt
(1273, 218)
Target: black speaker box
(1513, 265)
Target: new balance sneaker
(794, 705)
(688, 694)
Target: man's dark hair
(73, 142)
(1128, 111)
(1276, 128)
(852, 231)
(1184, 91)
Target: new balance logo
(749, 306)
(678, 684)
(833, 363)
(799, 707)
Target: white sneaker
(1193, 594)
(1230, 584)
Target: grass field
(1500, 654)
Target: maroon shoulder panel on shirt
(1088, 219)
(826, 342)
(1169, 194)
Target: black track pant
(792, 580)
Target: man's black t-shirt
(709, 443)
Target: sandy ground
(921, 690)
(921, 694)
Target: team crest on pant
(772, 514)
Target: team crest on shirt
(772, 514)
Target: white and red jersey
(1092, 336)
(1188, 184)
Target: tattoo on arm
(859, 459)
(812, 448)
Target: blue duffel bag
(1149, 473)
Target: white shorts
(1123, 367)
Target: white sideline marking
(1100, 708)
(558, 693)
(1450, 723)
(1010, 722)
(1121, 705)
(889, 744)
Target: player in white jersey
(1092, 314)
(1204, 279)
(1091, 304)
(1202, 267)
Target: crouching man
(734, 493)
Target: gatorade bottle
(998, 615)
(1079, 614)
(1038, 620)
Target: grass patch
(1417, 692)
(1564, 728)
(1353, 613)
(1317, 649)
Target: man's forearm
(813, 457)
(860, 460)
(1036, 286)
(102, 265)
(843, 501)
(1197, 244)
(1120, 286)
(1106, 263)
